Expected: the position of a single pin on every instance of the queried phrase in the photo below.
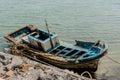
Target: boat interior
(40, 39)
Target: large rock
(26, 69)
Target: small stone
(39, 78)
(10, 72)
(2, 57)
(2, 79)
(4, 63)
(25, 67)
(7, 50)
(31, 68)
(6, 69)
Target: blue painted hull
(71, 56)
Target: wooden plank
(68, 52)
(73, 54)
(54, 49)
(60, 51)
(80, 57)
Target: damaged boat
(44, 45)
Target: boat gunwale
(50, 56)
(102, 53)
(7, 36)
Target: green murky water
(89, 20)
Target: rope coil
(86, 72)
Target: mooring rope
(86, 72)
(113, 60)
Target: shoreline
(20, 68)
(107, 69)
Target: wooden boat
(43, 45)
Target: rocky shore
(21, 68)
